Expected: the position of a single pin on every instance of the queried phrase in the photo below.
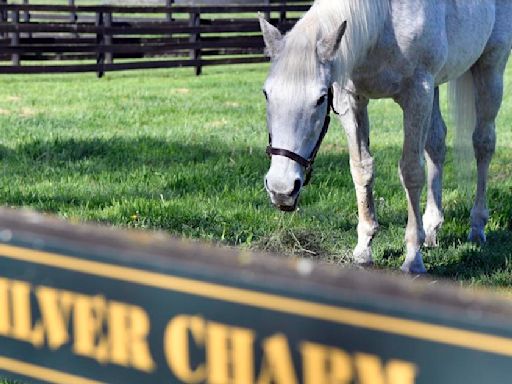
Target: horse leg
(435, 152)
(354, 118)
(488, 81)
(416, 100)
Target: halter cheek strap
(307, 164)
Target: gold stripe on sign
(360, 319)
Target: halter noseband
(306, 163)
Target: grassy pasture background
(166, 150)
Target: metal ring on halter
(306, 163)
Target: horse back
(443, 37)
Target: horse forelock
(297, 63)
(298, 60)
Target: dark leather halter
(307, 164)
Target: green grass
(167, 150)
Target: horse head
(298, 94)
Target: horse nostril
(296, 187)
(266, 184)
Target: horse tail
(462, 103)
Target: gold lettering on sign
(229, 354)
(177, 348)
(117, 333)
(21, 311)
(107, 331)
(129, 328)
(326, 365)
(229, 351)
(330, 365)
(90, 314)
(370, 370)
(56, 307)
(277, 367)
(401, 372)
(112, 332)
(5, 308)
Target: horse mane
(298, 59)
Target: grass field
(170, 151)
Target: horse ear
(328, 46)
(272, 37)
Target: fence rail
(85, 38)
(83, 304)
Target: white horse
(400, 49)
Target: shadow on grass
(153, 168)
(5, 152)
(191, 167)
(479, 261)
(115, 153)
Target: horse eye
(321, 100)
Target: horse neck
(366, 19)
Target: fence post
(4, 16)
(107, 38)
(26, 17)
(168, 16)
(267, 13)
(195, 37)
(100, 55)
(282, 14)
(15, 37)
(73, 17)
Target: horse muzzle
(288, 208)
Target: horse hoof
(368, 265)
(477, 236)
(362, 257)
(431, 239)
(414, 265)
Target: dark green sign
(82, 305)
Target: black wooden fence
(112, 38)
